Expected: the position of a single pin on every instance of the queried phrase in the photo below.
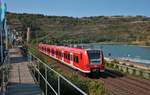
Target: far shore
(129, 63)
(122, 43)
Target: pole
(6, 34)
(58, 85)
(1, 44)
(46, 80)
(39, 71)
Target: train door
(46, 50)
(62, 55)
(71, 59)
(50, 52)
(55, 53)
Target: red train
(84, 60)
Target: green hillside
(128, 29)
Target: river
(127, 52)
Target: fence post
(34, 65)
(38, 63)
(58, 85)
(29, 58)
(7, 68)
(3, 81)
(46, 80)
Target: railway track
(120, 84)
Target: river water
(127, 52)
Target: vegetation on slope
(134, 30)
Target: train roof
(77, 50)
(65, 48)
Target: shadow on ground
(23, 89)
(17, 59)
(112, 74)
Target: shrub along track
(120, 84)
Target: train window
(59, 54)
(80, 56)
(65, 55)
(76, 59)
(48, 50)
(94, 56)
(71, 57)
(62, 54)
(56, 52)
(68, 55)
(52, 51)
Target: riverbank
(123, 43)
(130, 63)
(129, 68)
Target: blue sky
(80, 8)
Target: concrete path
(21, 81)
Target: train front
(96, 61)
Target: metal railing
(4, 70)
(54, 81)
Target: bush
(131, 65)
(133, 71)
(115, 61)
(141, 74)
(117, 67)
(147, 43)
(111, 65)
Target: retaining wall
(129, 70)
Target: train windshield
(94, 56)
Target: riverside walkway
(20, 80)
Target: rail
(36, 64)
